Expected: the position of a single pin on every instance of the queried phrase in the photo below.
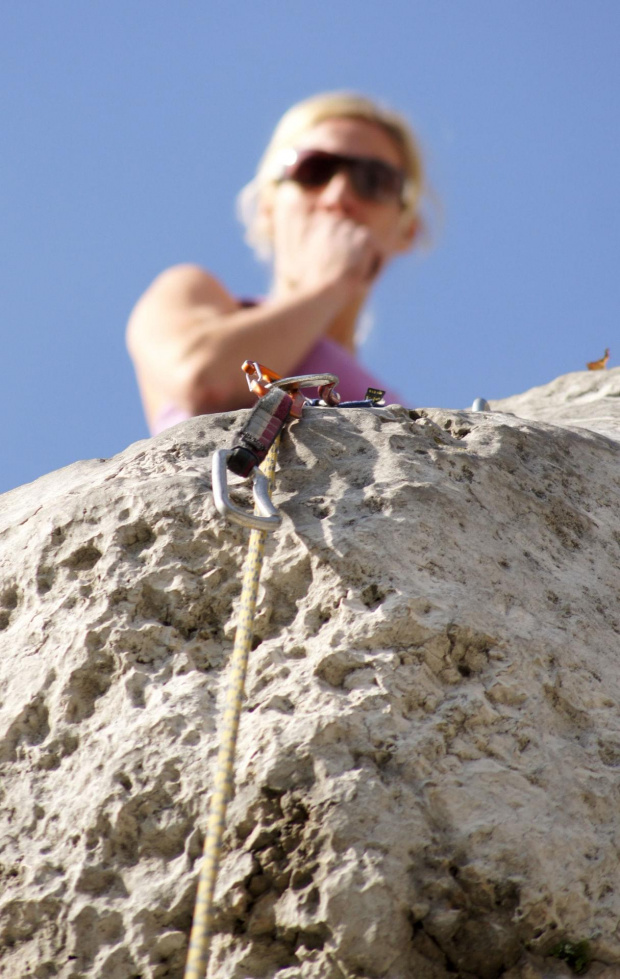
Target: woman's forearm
(188, 346)
(278, 333)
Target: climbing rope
(200, 936)
(253, 455)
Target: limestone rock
(583, 399)
(428, 771)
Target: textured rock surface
(428, 777)
(583, 399)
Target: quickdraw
(280, 398)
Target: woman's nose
(339, 192)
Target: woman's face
(349, 137)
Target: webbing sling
(253, 441)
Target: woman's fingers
(324, 248)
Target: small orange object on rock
(599, 365)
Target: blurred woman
(336, 197)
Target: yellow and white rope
(200, 936)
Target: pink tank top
(326, 356)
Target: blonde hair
(303, 116)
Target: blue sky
(128, 129)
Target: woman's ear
(264, 214)
(410, 230)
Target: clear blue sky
(128, 127)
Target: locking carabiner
(262, 379)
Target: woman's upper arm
(172, 303)
(168, 330)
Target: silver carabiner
(304, 381)
(266, 519)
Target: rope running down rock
(200, 936)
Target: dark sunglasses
(372, 180)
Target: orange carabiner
(259, 377)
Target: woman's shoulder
(188, 284)
(171, 301)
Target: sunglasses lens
(314, 170)
(375, 181)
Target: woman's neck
(342, 327)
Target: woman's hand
(324, 249)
